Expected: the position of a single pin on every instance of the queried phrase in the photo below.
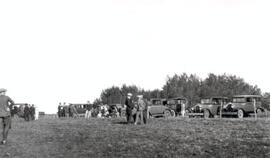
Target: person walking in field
(130, 105)
(6, 104)
(140, 108)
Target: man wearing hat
(6, 104)
(130, 105)
(140, 108)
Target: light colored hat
(129, 94)
(140, 96)
(2, 90)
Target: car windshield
(206, 101)
(156, 102)
(171, 102)
(176, 101)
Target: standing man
(27, 112)
(36, 112)
(145, 111)
(32, 112)
(6, 104)
(88, 112)
(140, 108)
(59, 110)
(130, 105)
(183, 109)
(66, 111)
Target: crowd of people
(27, 111)
(67, 110)
(135, 111)
(102, 111)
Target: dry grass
(180, 137)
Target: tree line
(189, 86)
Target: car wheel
(240, 113)
(167, 114)
(206, 113)
(172, 113)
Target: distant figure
(130, 105)
(32, 112)
(14, 111)
(21, 111)
(27, 115)
(36, 112)
(70, 110)
(66, 110)
(145, 112)
(73, 111)
(6, 104)
(88, 112)
(140, 108)
(183, 109)
(59, 110)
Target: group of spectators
(136, 112)
(102, 111)
(67, 110)
(27, 111)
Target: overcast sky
(69, 50)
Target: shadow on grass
(120, 122)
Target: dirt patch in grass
(180, 137)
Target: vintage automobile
(243, 105)
(79, 108)
(157, 108)
(209, 107)
(176, 104)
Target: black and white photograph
(134, 79)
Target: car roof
(245, 96)
(79, 104)
(216, 97)
(157, 99)
(178, 98)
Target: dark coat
(129, 103)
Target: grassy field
(180, 137)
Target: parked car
(157, 108)
(209, 107)
(243, 105)
(80, 108)
(176, 104)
